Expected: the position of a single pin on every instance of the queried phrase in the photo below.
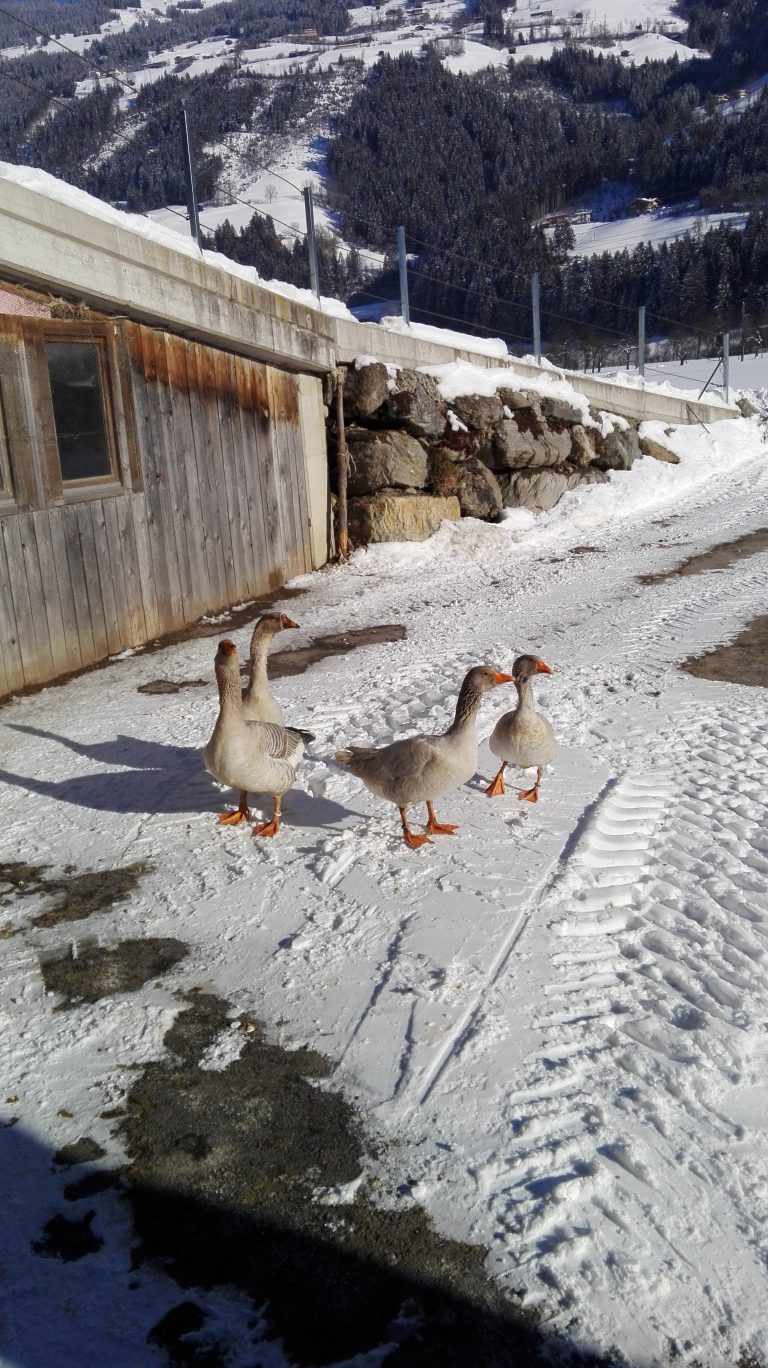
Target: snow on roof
(44, 184)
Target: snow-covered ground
(645, 47)
(664, 225)
(554, 1020)
(751, 375)
(625, 15)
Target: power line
(72, 51)
(517, 274)
(51, 99)
(468, 289)
(54, 99)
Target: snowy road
(555, 1019)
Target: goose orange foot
(235, 818)
(496, 789)
(270, 828)
(436, 828)
(414, 841)
(529, 795)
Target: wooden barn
(145, 479)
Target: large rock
(564, 410)
(538, 490)
(650, 447)
(415, 404)
(516, 399)
(391, 516)
(620, 449)
(512, 446)
(518, 445)
(473, 484)
(584, 445)
(480, 412)
(365, 390)
(381, 460)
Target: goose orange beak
(227, 647)
(287, 622)
(541, 668)
(499, 678)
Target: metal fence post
(405, 307)
(641, 340)
(314, 274)
(536, 307)
(727, 366)
(189, 177)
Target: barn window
(76, 375)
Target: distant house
(555, 220)
(641, 206)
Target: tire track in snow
(623, 1164)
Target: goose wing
(281, 743)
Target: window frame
(76, 489)
(33, 443)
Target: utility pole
(743, 312)
(641, 340)
(727, 366)
(402, 259)
(189, 177)
(314, 274)
(536, 307)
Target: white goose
(254, 757)
(523, 737)
(258, 703)
(420, 769)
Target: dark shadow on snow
(227, 1167)
(159, 779)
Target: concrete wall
(48, 244)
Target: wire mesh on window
(78, 409)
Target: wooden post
(341, 468)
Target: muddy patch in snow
(75, 896)
(743, 661)
(716, 558)
(68, 1240)
(90, 972)
(295, 662)
(252, 1176)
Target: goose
(419, 769)
(523, 737)
(258, 703)
(254, 757)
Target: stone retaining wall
(416, 459)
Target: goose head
(526, 666)
(483, 677)
(477, 681)
(226, 663)
(269, 623)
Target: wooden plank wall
(221, 515)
